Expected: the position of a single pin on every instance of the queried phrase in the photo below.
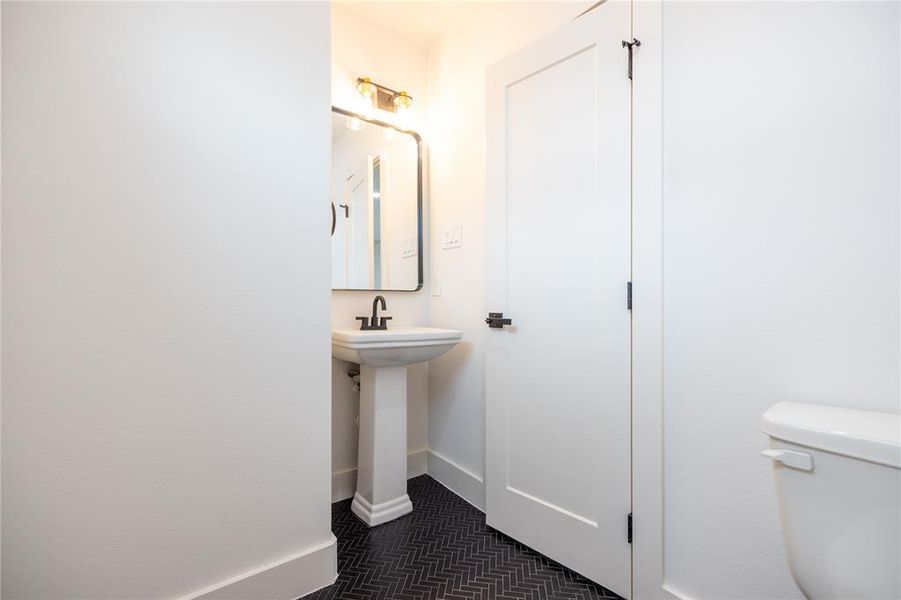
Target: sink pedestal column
(382, 459)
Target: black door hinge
(631, 45)
(629, 528)
(629, 295)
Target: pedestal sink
(383, 357)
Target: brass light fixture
(384, 98)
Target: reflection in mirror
(376, 201)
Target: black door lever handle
(496, 320)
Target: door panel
(551, 217)
(557, 380)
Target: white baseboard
(344, 483)
(417, 463)
(297, 575)
(675, 593)
(460, 481)
(457, 479)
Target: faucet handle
(364, 322)
(383, 322)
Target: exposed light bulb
(367, 91)
(403, 101)
(365, 87)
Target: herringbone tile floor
(443, 551)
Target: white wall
(781, 268)
(363, 49)
(456, 138)
(781, 251)
(165, 343)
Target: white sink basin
(394, 347)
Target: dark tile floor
(442, 551)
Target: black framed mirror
(376, 204)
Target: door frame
(648, 374)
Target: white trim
(457, 479)
(376, 514)
(344, 482)
(417, 463)
(675, 593)
(648, 569)
(294, 576)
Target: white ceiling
(419, 21)
(425, 21)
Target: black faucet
(375, 322)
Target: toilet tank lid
(872, 436)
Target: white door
(558, 394)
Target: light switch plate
(452, 236)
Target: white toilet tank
(838, 483)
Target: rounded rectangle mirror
(376, 197)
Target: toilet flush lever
(790, 458)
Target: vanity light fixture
(382, 97)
